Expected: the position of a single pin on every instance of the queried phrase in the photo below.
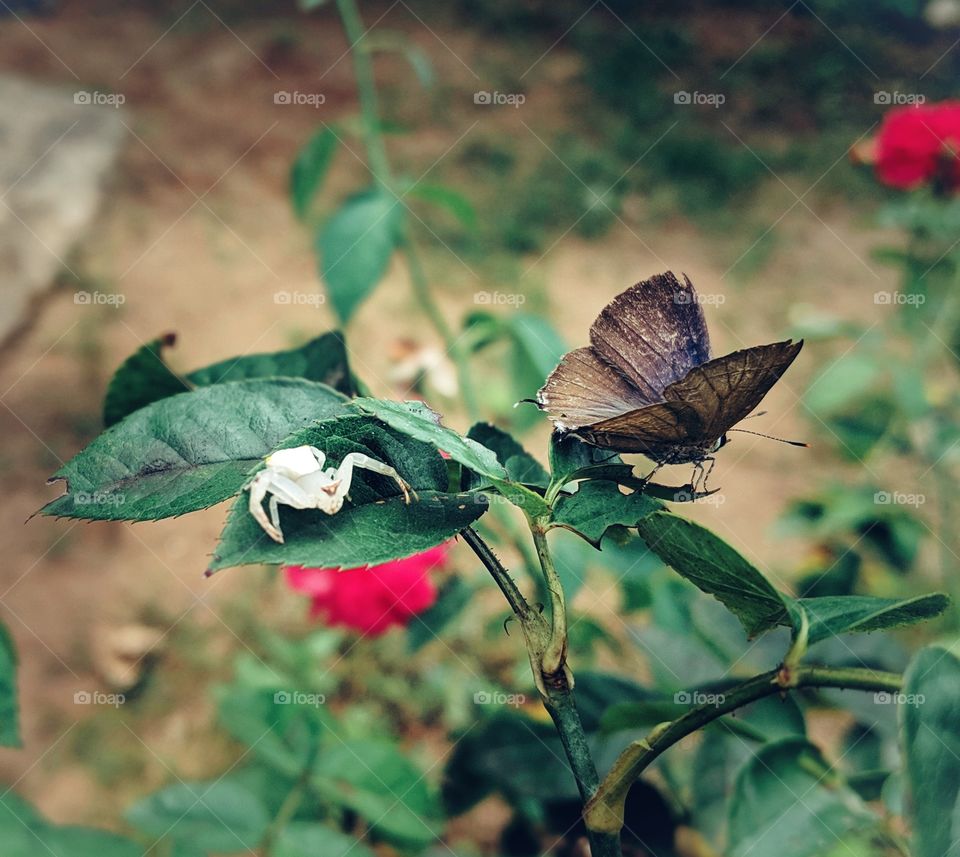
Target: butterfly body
(647, 382)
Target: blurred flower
(371, 600)
(412, 364)
(919, 145)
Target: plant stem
(604, 812)
(555, 687)
(379, 164)
(556, 655)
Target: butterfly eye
(722, 441)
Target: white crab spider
(296, 478)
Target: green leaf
(930, 722)
(417, 421)
(214, 816)
(9, 716)
(450, 603)
(310, 169)
(847, 614)
(520, 465)
(24, 833)
(446, 197)
(716, 568)
(188, 451)
(322, 359)
(597, 506)
(787, 803)
(141, 379)
(376, 525)
(308, 839)
(569, 454)
(375, 780)
(355, 247)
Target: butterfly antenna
(771, 437)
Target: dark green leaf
(322, 359)
(9, 712)
(787, 803)
(214, 816)
(930, 718)
(454, 201)
(355, 247)
(188, 451)
(716, 568)
(310, 168)
(141, 379)
(568, 454)
(376, 525)
(597, 506)
(375, 780)
(847, 614)
(417, 421)
(451, 600)
(520, 465)
(308, 839)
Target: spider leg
(282, 489)
(358, 459)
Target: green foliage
(188, 451)
(830, 616)
(310, 169)
(376, 525)
(519, 464)
(716, 568)
(9, 710)
(25, 833)
(145, 376)
(768, 820)
(597, 506)
(355, 247)
(211, 816)
(452, 600)
(308, 839)
(930, 716)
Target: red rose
(919, 145)
(371, 600)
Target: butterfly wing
(583, 389)
(725, 390)
(699, 408)
(654, 333)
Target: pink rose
(374, 599)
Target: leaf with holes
(355, 247)
(716, 568)
(375, 525)
(188, 451)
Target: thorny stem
(604, 812)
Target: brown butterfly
(647, 384)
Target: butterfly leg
(704, 473)
(646, 479)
